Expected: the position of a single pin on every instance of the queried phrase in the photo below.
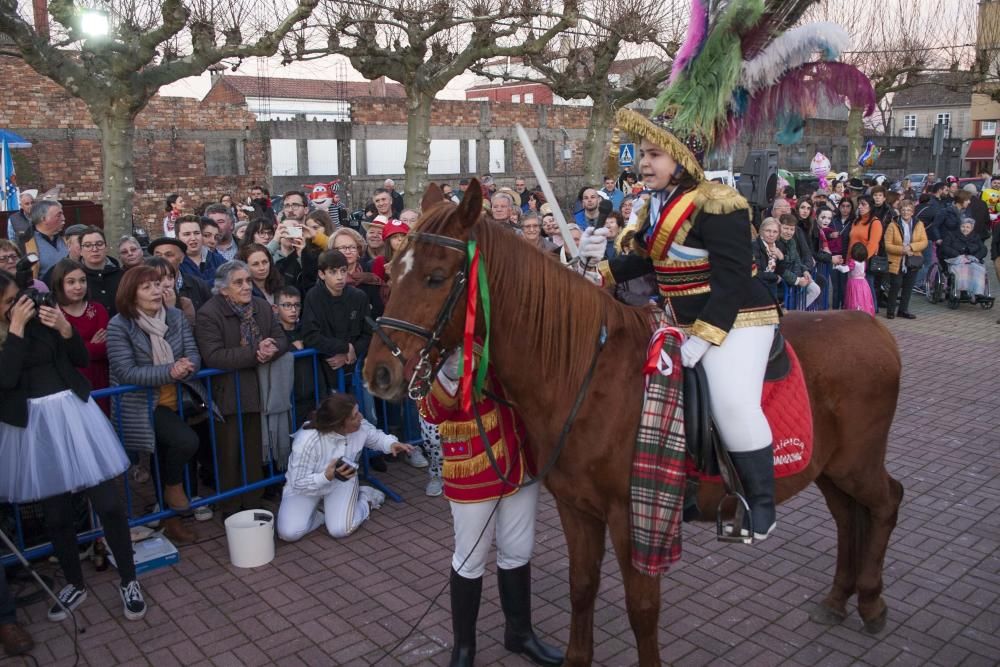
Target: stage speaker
(759, 178)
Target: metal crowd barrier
(379, 412)
(795, 297)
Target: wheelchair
(939, 285)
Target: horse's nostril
(383, 377)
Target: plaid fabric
(658, 472)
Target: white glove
(593, 243)
(692, 350)
(450, 367)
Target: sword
(543, 181)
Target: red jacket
(468, 475)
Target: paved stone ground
(326, 602)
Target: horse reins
(424, 371)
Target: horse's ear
(471, 208)
(432, 195)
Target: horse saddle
(702, 437)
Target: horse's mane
(555, 307)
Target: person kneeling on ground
(323, 467)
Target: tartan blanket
(658, 470)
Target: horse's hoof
(877, 624)
(827, 615)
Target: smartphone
(294, 232)
(341, 462)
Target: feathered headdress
(741, 69)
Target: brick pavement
(326, 602)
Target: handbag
(914, 261)
(878, 263)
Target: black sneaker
(71, 597)
(133, 604)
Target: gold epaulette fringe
(467, 430)
(717, 199)
(474, 465)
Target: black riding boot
(756, 471)
(465, 594)
(515, 599)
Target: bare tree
(585, 63)
(151, 43)
(424, 44)
(895, 41)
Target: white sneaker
(417, 459)
(372, 496)
(435, 487)
(203, 513)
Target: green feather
(701, 95)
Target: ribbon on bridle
(477, 291)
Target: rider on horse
(695, 236)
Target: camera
(24, 279)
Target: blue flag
(8, 180)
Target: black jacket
(957, 244)
(102, 284)
(981, 214)
(40, 364)
(760, 257)
(947, 221)
(195, 289)
(331, 323)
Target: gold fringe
(639, 127)
(691, 291)
(625, 230)
(474, 465)
(718, 199)
(452, 431)
(756, 318)
(604, 268)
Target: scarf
(249, 331)
(156, 328)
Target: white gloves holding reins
(593, 244)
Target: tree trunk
(595, 157)
(418, 143)
(117, 126)
(855, 140)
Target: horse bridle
(424, 371)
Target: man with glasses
(294, 207)
(103, 272)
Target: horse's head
(424, 316)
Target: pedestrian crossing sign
(626, 155)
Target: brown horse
(546, 321)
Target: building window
(515, 99)
(529, 98)
(988, 128)
(945, 119)
(909, 125)
(224, 157)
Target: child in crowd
(323, 467)
(288, 302)
(858, 295)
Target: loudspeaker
(759, 178)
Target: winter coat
(102, 284)
(947, 220)
(958, 244)
(130, 357)
(218, 335)
(894, 242)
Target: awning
(980, 149)
(14, 140)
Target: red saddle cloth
(786, 406)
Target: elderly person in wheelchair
(963, 253)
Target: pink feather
(801, 90)
(693, 41)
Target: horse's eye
(435, 278)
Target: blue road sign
(626, 155)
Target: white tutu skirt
(68, 445)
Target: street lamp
(94, 23)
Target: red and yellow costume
(467, 473)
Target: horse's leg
(878, 497)
(642, 592)
(585, 542)
(833, 609)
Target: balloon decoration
(820, 167)
(992, 199)
(869, 155)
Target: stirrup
(735, 532)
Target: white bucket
(250, 536)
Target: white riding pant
(514, 526)
(343, 512)
(735, 372)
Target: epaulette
(716, 198)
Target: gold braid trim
(639, 127)
(709, 332)
(452, 431)
(604, 268)
(475, 465)
(717, 199)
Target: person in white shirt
(323, 468)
